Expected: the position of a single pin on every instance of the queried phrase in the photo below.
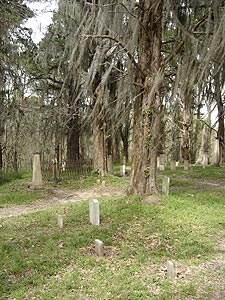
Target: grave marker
(94, 213)
(171, 272)
(99, 248)
(166, 186)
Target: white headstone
(94, 212)
(99, 248)
(216, 153)
(171, 272)
(166, 185)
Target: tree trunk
(99, 135)
(186, 130)
(73, 135)
(220, 107)
(115, 145)
(147, 106)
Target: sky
(43, 15)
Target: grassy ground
(14, 190)
(40, 261)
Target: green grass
(40, 260)
(14, 190)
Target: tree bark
(99, 134)
(220, 107)
(147, 106)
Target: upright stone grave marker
(99, 248)
(94, 212)
(36, 177)
(123, 167)
(166, 185)
(186, 165)
(60, 221)
(162, 162)
(171, 271)
(173, 165)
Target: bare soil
(58, 197)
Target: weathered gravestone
(173, 165)
(162, 162)
(216, 153)
(99, 248)
(186, 165)
(60, 221)
(123, 167)
(166, 186)
(94, 212)
(171, 271)
(37, 176)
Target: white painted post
(166, 185)
(171, 272)
(94, 212)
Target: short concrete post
(205, 160)
(173, 165)
(94, 212)
(60, 221)
(103, 183)
(171, 271)
(123, 167)
(216, 153)
(37, 177)
(158, 162)
(186, 165)
(166, 186)
(99, 248)
(162, 161)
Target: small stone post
(166, 186)
(36, 177)
(216, 153)
(99, 248)
(171, 272)
(123, 167)
(60, 221)
(162, 161)
(186, 165)
(173, 165)
(94, 212)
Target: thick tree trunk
(73, 135)
(115, 145)
(186, 131)
(203, 151)
(99, 134)
(220, 107)
(147, 106)
(1, 156)
(73, 139)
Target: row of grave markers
(94, 217)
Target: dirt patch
(59, 197)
